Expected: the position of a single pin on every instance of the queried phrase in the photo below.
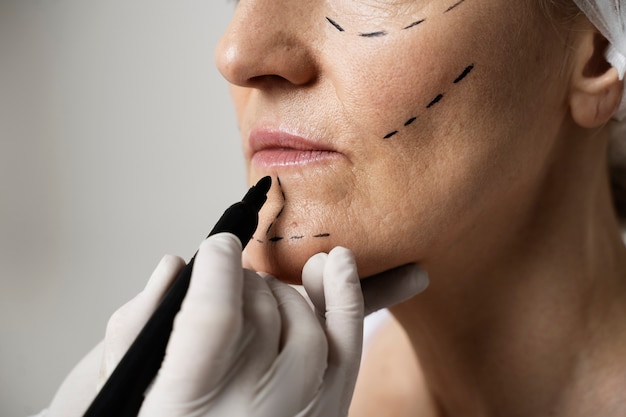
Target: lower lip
(292, 157)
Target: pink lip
(270, 148)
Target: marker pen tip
(258, 193)
(264, 184)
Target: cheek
(462, 146)
(386, 85)
(381, 88)
(385, 206)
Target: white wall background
(118, 144)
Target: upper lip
(261, 139)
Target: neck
(523, 313)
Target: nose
(267, 41)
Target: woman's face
(392, 127)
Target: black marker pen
(123, 393)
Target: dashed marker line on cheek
(454, 6)
(434, 101)
(410, 121)
(414, 24)
(464, 74)
(373, 34)
(382, 32)
(335, 24)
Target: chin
(284, 259)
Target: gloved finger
(302, 292)
(313, 283)
(204, 340)
(344, 323)
(298, 372)
(382, 290)
(126, 323)
(393, 287)
(260, 310)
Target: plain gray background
(118, 143)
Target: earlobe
(596, 90)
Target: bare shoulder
(390, 381)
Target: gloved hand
(81, 385)
(245, 344)
(379, 291)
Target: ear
(596, 90)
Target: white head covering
(609, 16)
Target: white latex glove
(246, 345)
(379, 291)
(238, 344)
(81, 385)
(341, 302)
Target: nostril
(273, 81)
(258, 57)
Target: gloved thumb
(380, 291)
